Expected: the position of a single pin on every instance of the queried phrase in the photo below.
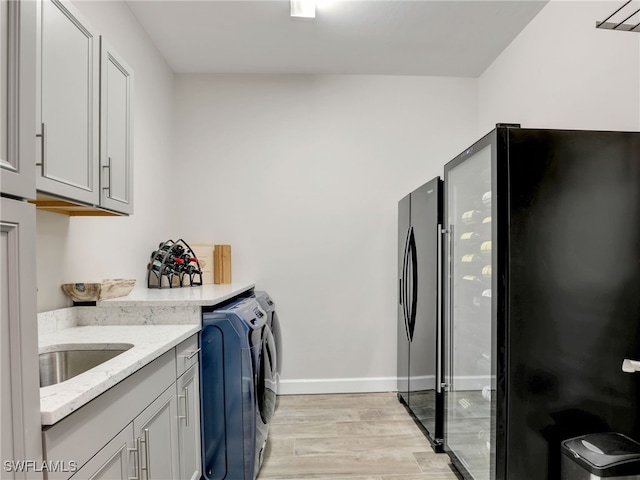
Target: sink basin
(62, 362)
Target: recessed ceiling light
(303, 8)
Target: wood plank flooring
(350, 436)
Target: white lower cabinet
(147, 427)
(188, 389)
(157, 438)
(145, 449)
(19, 388)
(113, 462)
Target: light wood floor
(364, 436)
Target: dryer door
(267, 376)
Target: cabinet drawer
(187, 354)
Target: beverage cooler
(542, 297)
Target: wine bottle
(472, 259)
(158, 266)
(191, 269)
(472, 279)
(470, 237)
(165, 257)
(471, 216)
(484, 299)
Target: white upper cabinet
(116, 148)
(84, 117)
(17, 97)
(68, 83)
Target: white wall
(302, 175)
(80, 249)
(562, 72)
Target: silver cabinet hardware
(139, 449)
(137, 463)
(108, 166)
(43, 150)
(147, 460)
(186, 406)
(191, 354)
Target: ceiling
(385, 37)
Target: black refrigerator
(542, 297)
(419, 308)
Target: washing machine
(268, 305)
(237, 378)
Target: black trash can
(600, 455)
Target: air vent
(625, 18)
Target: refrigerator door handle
(404, 285)
(439, 324)
(413, 306)
(448, 312)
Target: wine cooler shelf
(173, 264)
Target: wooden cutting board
(222, 264)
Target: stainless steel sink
(62, 362)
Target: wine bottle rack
(619, 18)
(173, 264)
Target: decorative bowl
(94, 291)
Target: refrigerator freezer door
(424, 321)
(404, 222)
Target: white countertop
(149, 342)
(170, 297)
(153, 320)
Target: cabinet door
(116, 149)
(17, 97)
(157, 429)
(68, 103)
(188, 386)
(116, 461)
(19, 384)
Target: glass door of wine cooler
(470, 369)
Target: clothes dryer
(269, 306)
(237, 389)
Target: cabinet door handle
(137, 460)
(43, 151)
(146, 451)
(139, 450)
(191, 355)
(186, 406)
(108, 187)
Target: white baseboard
(338, 385)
